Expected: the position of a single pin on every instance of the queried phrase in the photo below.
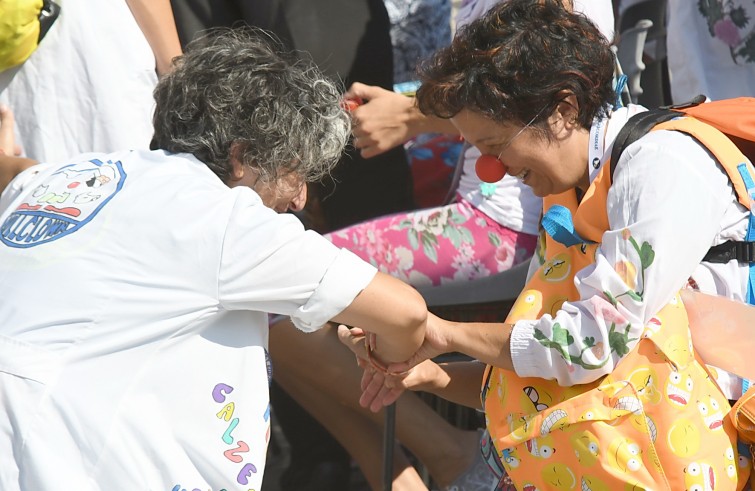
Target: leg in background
(444, 449)
(360, 435)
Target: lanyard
(596, 154)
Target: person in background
(711, 49)
(88, 86)
(418, 29)
(137, 284)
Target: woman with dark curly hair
(592, 382)
(136, 284)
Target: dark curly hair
(238, 88)
(513, 64)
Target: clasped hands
(382, 384)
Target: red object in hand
(489, 168)
(351, 103)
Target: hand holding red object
(351, 103)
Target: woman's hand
(382, 388)
(384, 121)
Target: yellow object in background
(19, 30)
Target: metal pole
(388, 444)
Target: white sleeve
(664, 211)
(269, 263)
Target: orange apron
(658, 421)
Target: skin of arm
(10, 167)
(394, 311)
(388, 119)
(155, 19)
(488, 343)
(458, 382)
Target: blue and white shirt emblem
(64, 202)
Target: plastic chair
(629, 52)
(654, 79)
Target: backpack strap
(636, 127)
(641, 123)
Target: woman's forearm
(392, 310)
(10, 167)
(458, 382)
(155, 19)
(486, 342)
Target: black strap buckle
(742, 251)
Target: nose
(298, 201)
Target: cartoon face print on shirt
(699, 476)
(624, 455)
(684, 437)
(711, 411)
(557, 268)
(678, 388)
(645, 380)
(527, 306)
(559, 476)
(586, 447)
(64, 202)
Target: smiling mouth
(523, 175)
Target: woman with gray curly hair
(281, 116)
(137, 284)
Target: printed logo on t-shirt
(64, 202)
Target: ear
(565, 116)
(237, 168)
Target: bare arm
(387, 120)
(10, 164)
(155, 19)
(457, 382)
(487, 342)
(10, 167)
(394, 311)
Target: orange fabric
(657, 422)
(720, 146)
(731, 116)
(743, 417)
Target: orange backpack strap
(723, 149)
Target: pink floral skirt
(456, 242)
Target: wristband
(374, 361)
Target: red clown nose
(489, 168)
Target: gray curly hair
(237, 92)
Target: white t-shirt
(133, 326)
(87, 87)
